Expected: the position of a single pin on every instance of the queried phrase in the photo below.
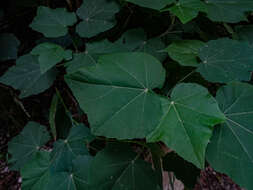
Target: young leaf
(183, 170)
(74, 145)
(185, 52)
(186, 10)
(231, 11)
(121, 87)
(97, 15)
(36, 173)
(137, 40)
(186, 125)
(157, 5)
(53, 22)
(50, 54)
(120, 168)
(225, 60)
(8, 47)
(230, 150)
(24, 146)
(26, 76)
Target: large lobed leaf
(24, 146)
(50, 54)
(137, 40)
(37, 175)
(185, 52)
(53, 22)
(65, 150)
(225, 60)
(121, 169)
(231, 11)
(97, 16)
(117, 94)
(230, 150)
(27, 77)
(186, 10)
(187, 122)
(91, 54)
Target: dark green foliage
(138, 73)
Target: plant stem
(70, 5)
(181, 80)
(172, 180)
(173, 20)
(230, 31)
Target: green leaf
(74, 145)
(158, 4)
(80, 60)
(225, 60)
(231, 11)
(76, 179)
(183, 170)
(187, 122)
(186, 10)
(36, 174)
(53, 22)
(137, 40)
(230, 150)
(90, 56)
(120, 169)
(185, 52)
(50, 54)
(26, 76)
(24, 146)
(245, 33)
(121, 86)
(97, 15)
(8, 47)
